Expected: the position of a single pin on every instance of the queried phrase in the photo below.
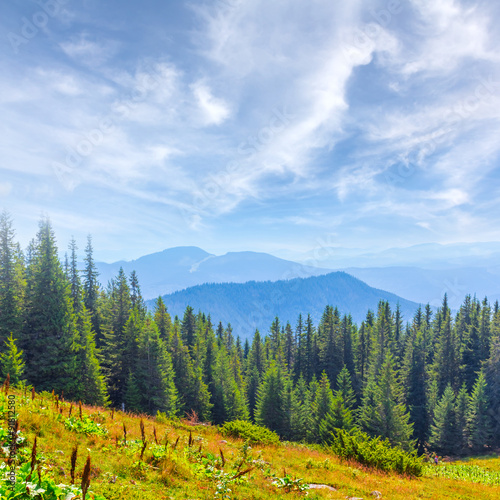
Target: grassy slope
(117, 472)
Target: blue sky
(251, 125)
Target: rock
(321, 487)
(376, 494)
(222, 441)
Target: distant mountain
(182, 267)
(252, 305)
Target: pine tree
(414, 377)
(461, 410)
(11, 361)
(443, 436)
(74, 278)
(188, 328)
(91, 290)
(344, 389)
(299, 412)
(478, 421)
(154, 372)
(446, 360)
(339, 417)
(136, 300)
(132, 395)
(229, 402)
(90, 385)
(269, 408)
(163, 320)
(49, 325)
(382, 411)
(12, 281)
(492, 377)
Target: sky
(280, 127)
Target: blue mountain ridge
(254, 305)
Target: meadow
(144, 458)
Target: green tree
(12, 281)
(90, 384)
(443, 437)
(154, 372)
(383, 412)
(269, 409)
(49, 323)
(478, 420)
(11, 361)
(492, 376)
(91, 290)
(344, 389)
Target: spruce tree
(90, 385)
(12, 281)
(163, 320)
(478, 420)
(383, 412)
(443, 437)
(461, 410)
(269, 408)
(344, 389)
(492, 377)
(11, 361)
(154, 372)
(91, 290)
(49, 327)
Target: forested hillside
(432, 382)
(254, 305)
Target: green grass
(173, 460)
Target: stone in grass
(321, 487)
(376, 494)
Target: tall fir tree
(49, 327)
(443, 436)
(479, 428)
(11, 361)
(12, 281)
(91, 290)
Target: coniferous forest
(430, 382)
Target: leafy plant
(85, 426)
(249, 432)
(376, 452)
(288, 483)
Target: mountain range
(252, 305)
(181, 267)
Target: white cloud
(89, 52)
(214, 110)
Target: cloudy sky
(275, 126)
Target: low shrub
(249, 432)
(376, 452)
(85, 426)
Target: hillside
(198, 462)
(182, 267)
(254, 305)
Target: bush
(85, 426)
(376, 453)
(249, 432)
